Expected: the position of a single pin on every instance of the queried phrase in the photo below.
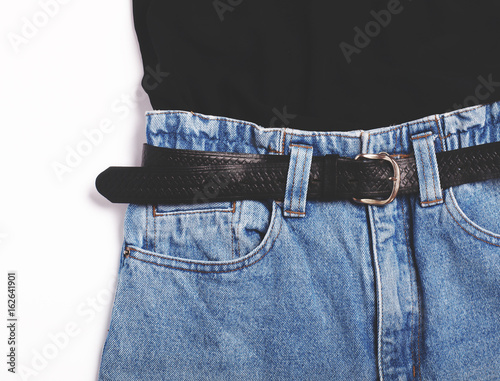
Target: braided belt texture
(170, 176)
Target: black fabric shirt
(319, 65)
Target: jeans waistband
(190, 130)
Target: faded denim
(245, 291)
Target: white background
(74, 68)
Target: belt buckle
(396, 178)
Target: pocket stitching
(469, 221)
(465, 230)
(160, 214)
(454, 204)
(208, 263)
(262, 244)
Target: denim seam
(401, 128)
(301, 181)
(433, 172)
(303, 174)
(254, 125)
(438, 129)
(399, 142)
(392, 129)
(419, 333)
(238, 230)
(441, 138)
(206, 264)
(147, 223)
(442, 117)
(401, 154)
(113, 304)
(422, 136)
(378, 289)
(377, 133)
(270, 128)
(273, 150)
(231, 229)
(154, 242)
(326, 133)
(381, 322)
(162, 214)
(425, 180)
(198, 139)
(465, 111)
(408, 253)
(293, 212)
(218, 263)
(430, 202)
(469, 129)
(465, 219)
(423, 168)
(468, 232)
(293, 181)
(425, 177)
(300, 146)
(204, 140)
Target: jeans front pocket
(195, 232)
(475, 207)
(212, 237)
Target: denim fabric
(240, 291)
(299, 169)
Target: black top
(319, 65)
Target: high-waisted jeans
(308, 290)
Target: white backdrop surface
(71, 105)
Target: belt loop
(427, 169)
(297, 180)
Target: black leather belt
(170, 176)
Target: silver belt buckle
(396, 178)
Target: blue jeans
(309, 290)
